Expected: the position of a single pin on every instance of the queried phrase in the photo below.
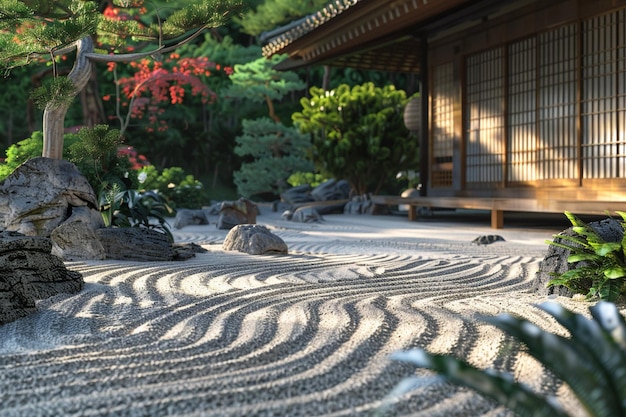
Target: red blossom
(155, 83)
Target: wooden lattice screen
(484, 118)
(557, 114)
(549, 107)
(604, 96)
(522, 134)
(443, 96)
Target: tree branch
(95, 57)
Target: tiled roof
(279, 38)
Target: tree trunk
(93, 110)
(54, 116)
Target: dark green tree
(359, 134)
(271, 151)
(35, 30)
(272, 13)
(259, 82)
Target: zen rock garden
(50, 214)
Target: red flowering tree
(155, 84)
(47, 30)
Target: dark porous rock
(135, 244)
(41, 194)
(187, 217)
(254, 240)
(306, 215)
(360, 204)
(555, 260)
(184, 251)
(297, 195)
(232, 213)
(29, 272)
(487, 239)
(331, 190)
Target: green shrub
(600, 269)
(92, 150)
(592, 362)
(358, 134)
(95, 154)
(311, 178)
(271, 153)
(181, 190)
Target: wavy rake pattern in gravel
(295, 335)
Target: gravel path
(303, 334)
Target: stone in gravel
(306, 215)
(184, 251)
(253, 239)
(232, 213)
(487, 239)
(187, 217)
(555, 260)
(29, 272)
(135, 244)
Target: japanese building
(523, 104)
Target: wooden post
(497, 219)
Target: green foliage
(179, 189)
(592, 362)
(358, 134)
(95, 153)
(21, 152)
(92, 150)
(258, 81)
(272, 13)
(131, 208)
(49, 27)
(600, 266)
(274, 152)
(55, 92)
(199, 14)
(301, 178)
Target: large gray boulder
(75, 239)
(253, 239)
(41, 194)
(555, 260)
(29, 272)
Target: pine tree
(271, 150)
(272, 13)
(34, 30)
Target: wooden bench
(498, 206)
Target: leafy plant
(358, 134)
(131, 208)
(175, 186)
(301, 178)
(600, 266)
(592, 362)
